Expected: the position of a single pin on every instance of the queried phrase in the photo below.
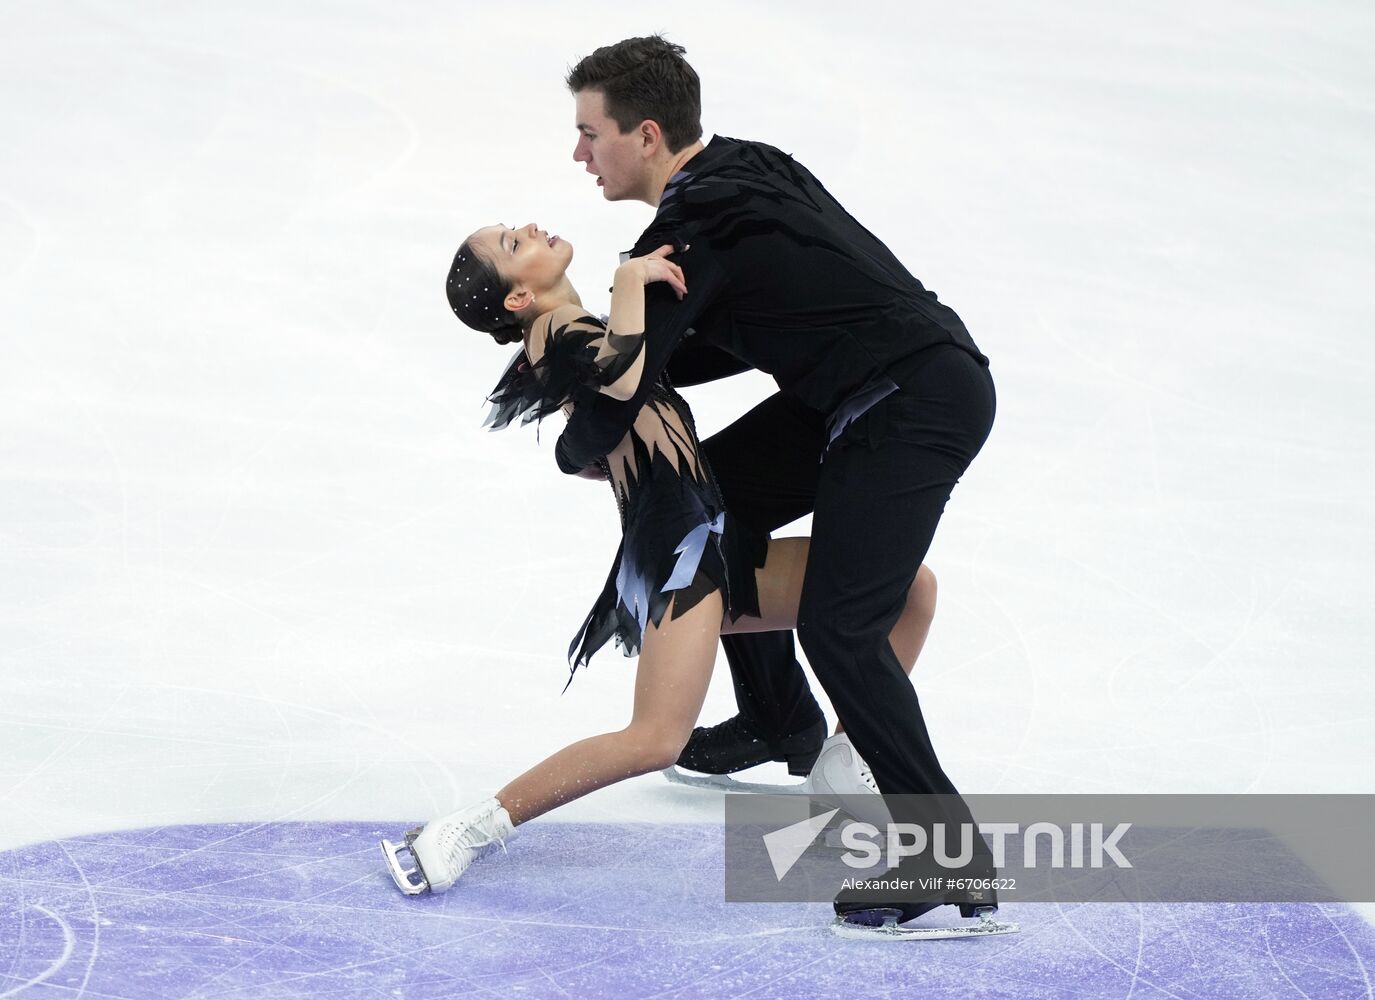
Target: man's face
(618, 161)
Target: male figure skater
(779, 719)
(884, 399)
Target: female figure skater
(685, 572)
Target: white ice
(260, 561)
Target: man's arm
(696, 361)
(595, 430)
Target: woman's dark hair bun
(512, 334)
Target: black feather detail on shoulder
(569, 367)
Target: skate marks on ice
(585, 910)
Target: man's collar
(709, 155)
(701, 162)
(719, 147)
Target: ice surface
(584, 910)
(259, 563)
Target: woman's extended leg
(670, 685)
(780, 592)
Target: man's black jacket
(780, 278)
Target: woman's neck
(564, 295)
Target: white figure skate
(842, 779)
(444, 848)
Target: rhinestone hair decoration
(474, 295)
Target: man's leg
(767, 464)
(883, 488)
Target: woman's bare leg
(909, 634)
(670, 685)
(780, 591)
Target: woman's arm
(569, 345)
(593, 431)
(628, 311)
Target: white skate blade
(891, 930)
(725, 783)
(411, 881)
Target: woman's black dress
(678, 542)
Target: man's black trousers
(876, 495)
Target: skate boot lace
(865, 775)
(462, 844)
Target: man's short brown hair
(645, 78)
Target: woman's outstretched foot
(444, 848)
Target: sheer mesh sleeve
(585, 351)
(580, 356)
(592, 431)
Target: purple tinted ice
(307, 909)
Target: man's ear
(651, 136)
(518, 298)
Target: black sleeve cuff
(566, 465)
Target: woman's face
(527, 257)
